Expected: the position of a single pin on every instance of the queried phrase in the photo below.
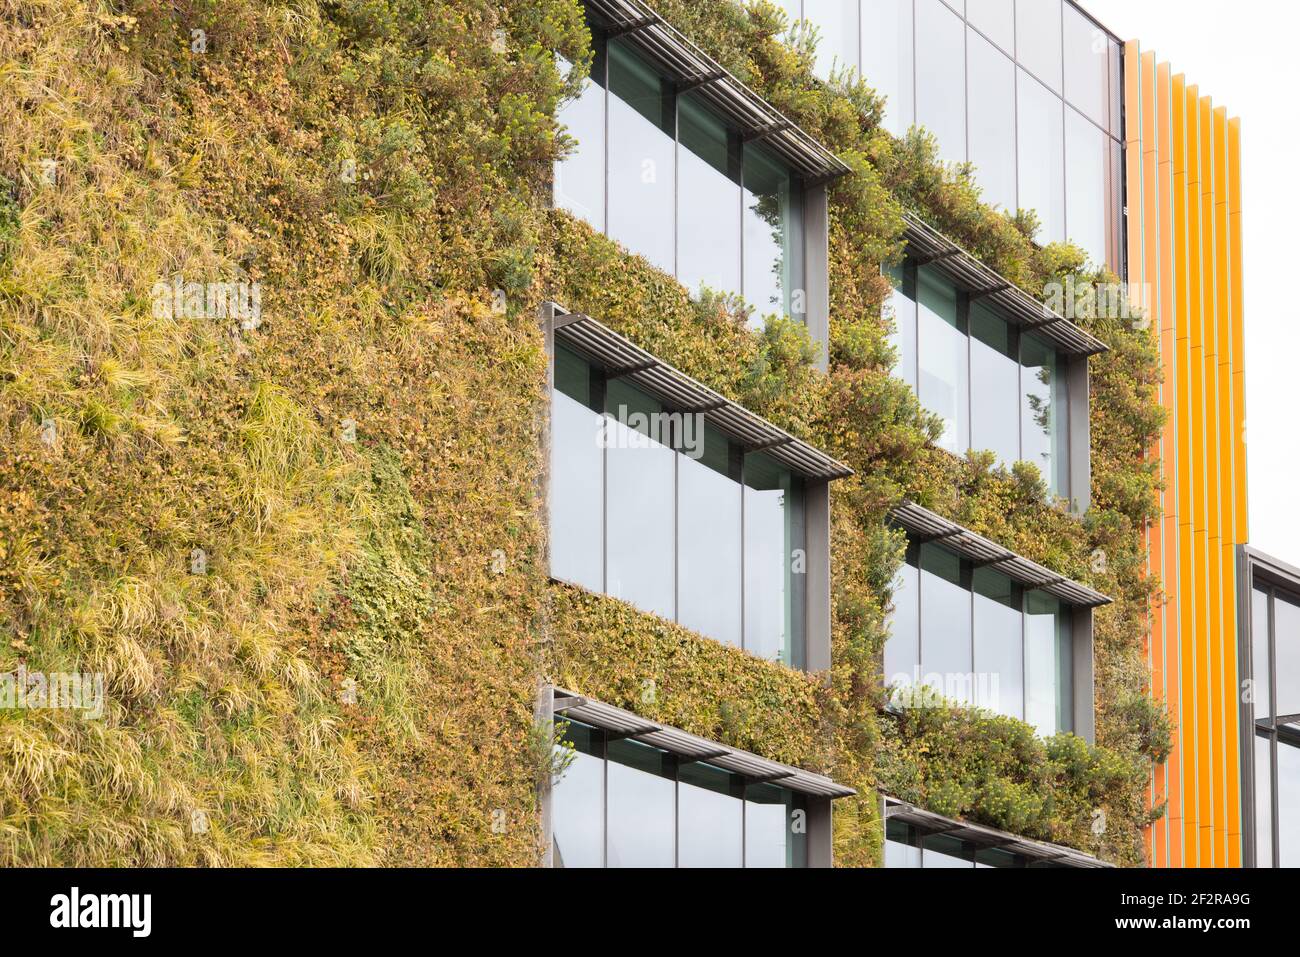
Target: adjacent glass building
(1030, 92)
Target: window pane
(938, 850)
(1260, 690)
(1263, 802)
(1038, 39)
(995, 405)
(902, 306)
(1085, 182)
(708, 201)
(991, 100)
(710, 819)
(1040, 155)
(1288, 804)
(578, 802)
(772, 524)
(577, 493)
(901, 846)
(999, 643)
(773, 234)
(887, 60)
(580, 179)
(1087, 57)
(641, 132)
(942, 349)
(996, 19)
(903, 648)
(641, 799)
(837, 34)
(941, 77)
(639, 473)
(1048, 701)
(768, 841)
(945, 623)
(1043, 410)
(1286, 649)
(709, 555)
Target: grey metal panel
(817, 627)
(679, 392)
(628, 725)
(930, 247)
(929, 526)
(988, 837)
(642, 28)
(1085, 708)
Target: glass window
(1040, 151)
(1087, 58)
(1038, 39)
(639, 473)
(708, 200)
(994, 392)
(775, 592)
(1288, 803)
(580, 178)
(903, 648)
(1263, 801)
(943, 359)
(994, 857)
(641, 134)
(887, 60)
(941, 77)
(1044, 430)
(710, 817)
(641, 826)
(939, 850)
(902, 846)
(577, 484)
(1260, 690)
(996, 19)
(770, 838)
(1049, 700)
(999, 643)
(1286, 651)
(991, 100)
(709, 529)
(837, 35)
(902, 304)
(578, 801)
(945, 623)
(773, 235)
(1085, 185)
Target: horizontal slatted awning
(930, 247)
(628, 725)
(928, 526)
(987, 838)
(690, 68)
(680, 393)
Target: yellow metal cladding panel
(1183, 174)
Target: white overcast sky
(1243, 53)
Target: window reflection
(640, 827)
(774, 589)
(1286, 651)
(991, 100)
(903, 649)
(708, 200)
(941, 77)
(1087, 56)
(887, 60)
(903, 337)
(837, 32)
(999, 643)
(1085, 181)
(580, 178)
(710, 817)
(1049, 701)
(995, 422)
(641, 130)
(942, 359)
(773, 236)
(1288, 802)
(1040, 153)
(578, 801)
(1043, 411)
(946, 624)
(1038, 39)
(709, 526)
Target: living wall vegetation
(306, 549)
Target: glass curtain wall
(1274, 670)
(976, 637)
(993, 387)
(626, 804)
(663, 511)
(906, 846)
(670, 180)
(1028, 91)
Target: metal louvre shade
(930, 247)
(635, 24)
(929, 526)
(628, 725)
(987, 838)
(679, 392)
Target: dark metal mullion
(1274, 816)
